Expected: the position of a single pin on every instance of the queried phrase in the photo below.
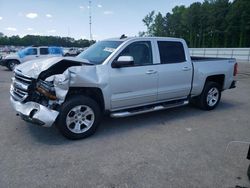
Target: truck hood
(11, 56)
(33, 68)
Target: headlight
(47, 89)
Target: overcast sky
(111, 18)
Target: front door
(31, 54)
(135, 85)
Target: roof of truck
(131, 38)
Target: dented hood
(35, 67)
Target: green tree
(213, 23)
(29, 40)
(149, 21)
(159, 26)
(238, 27)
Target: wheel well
(13, 60)
(94, 93)
(217, 78)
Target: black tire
(248, 172)
(201, 101)
(72, 103)
(12, 64)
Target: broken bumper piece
(35, 113)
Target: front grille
(20, 87)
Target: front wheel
(210, 96)
(12, 64)
(79, 117)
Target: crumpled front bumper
(35, 113)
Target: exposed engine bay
(51, 87)
(46, 88)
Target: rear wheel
(79, 117)
(210, 96)
(12, 64)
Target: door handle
(151, 72)
(186, 68)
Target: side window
(44, 51)
(140, 51)
(32, 51)
(171, 52)
(54, 50)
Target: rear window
(171, 52)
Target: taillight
(235, 69)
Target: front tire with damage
(79, 117)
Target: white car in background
(73, 51)
(30, 53)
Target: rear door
(175, 71)
(44, 52)
(135, 85)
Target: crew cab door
(137, 84)
(43, 52)
(175, 70)
(31, 54)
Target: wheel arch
(92, 92)
(219, 79)
(8, 60)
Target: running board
(151, 108)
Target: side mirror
(123, 61)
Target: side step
(151, 108)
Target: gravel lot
(182, 147)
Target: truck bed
(202, 59)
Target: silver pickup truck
(120, 77)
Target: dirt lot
(182, 147)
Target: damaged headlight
(47, 89)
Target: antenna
(90, 21)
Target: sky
(110, 18)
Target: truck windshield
(100, 51)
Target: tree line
(213, 23)
(29, 40)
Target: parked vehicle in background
(120, 77)
(73, 51)
(30, 53)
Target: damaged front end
(37, 99)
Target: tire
(209, 98)
(248, 172)
(79, 117)
(12, 64)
